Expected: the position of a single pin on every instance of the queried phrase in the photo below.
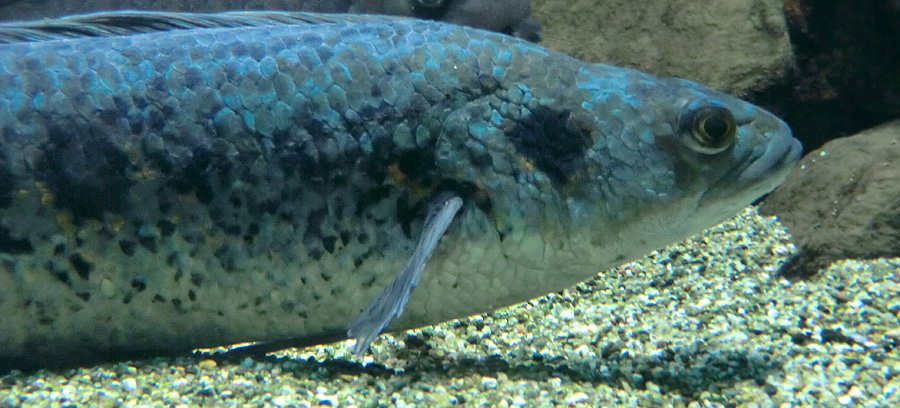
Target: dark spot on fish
(83, 295)
(158, 298)
(370, 197)
(7, 184)
(232, 229)
(138, 284)
(363, 238)
(238, 49)
(194, 176)
(81, 265)
(375, 91)
(269, 206)
(164, 205)
(192, 295)
(314, 221)
(61, 274)
(127, 246)
(128, 297)
(192, 77)
(288, 306)
(329, 243)
(148, 241)
(176, 302)
(226, 254)
(110, 116)
(488, 83)
(86, 172)
(324, 53)
(45, 320)
(136, 126)
(166, 227)
(12, 245)
(196, 278)
(256, 51)
(554, 140)
(406, 212)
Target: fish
(295, 179)
(511, 17)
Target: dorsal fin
(128, 22)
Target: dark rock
(842, 201)
(847, 73)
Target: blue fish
(293, 179)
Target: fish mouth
(781, 154)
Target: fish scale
(194, 188)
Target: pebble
(703, 323)
(129, 384)
(488, 383)
(577, 398)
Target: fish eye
(712, 128)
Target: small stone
(845, 400)
(327, 400)
(280, 401)
(893, 334)
(855, 392)
(577, 398)
(488, 383)
(129, 384)
(207, 364)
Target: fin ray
(391, 302)
(130, 22)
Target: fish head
(669, 158)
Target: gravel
(704, 323)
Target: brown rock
(843, 201)
(735, 45)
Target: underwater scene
(437, 203)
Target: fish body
(172, 190)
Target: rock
(842, 201)
(735, 46)
(847, 73)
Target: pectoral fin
(392, 300)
